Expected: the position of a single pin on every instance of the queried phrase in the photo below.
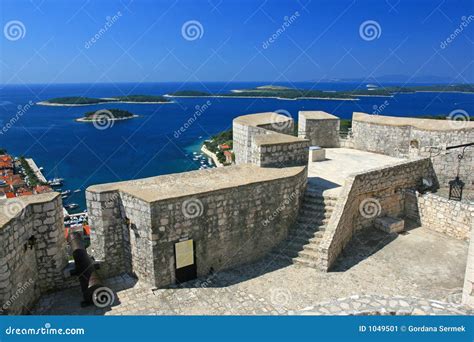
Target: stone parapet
(234, 215)
(32, 250)
(266, 139)
(320, 128)
(414, 138)
(366, 196)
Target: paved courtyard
(330, 174)
(418, 272)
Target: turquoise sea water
(149, 145)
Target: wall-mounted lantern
(456, 185)
(455, 189)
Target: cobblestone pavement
(420, 272)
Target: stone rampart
(266, 140)
(320, 128)
(32, 250)
(234, 215)
(413, 138)
(451, 218)
(366, 196)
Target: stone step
(308, 254)
(306, 263)
(319, 196)
(312, 220)
(312, 213)
(305, 233)
(321, 201)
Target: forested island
(107, 115)
(86, 101)
(294, 93)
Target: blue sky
(323, 41)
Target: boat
(56, 182)
(66, 193)
(71, 206)
(77, 190)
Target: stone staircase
(301, 245)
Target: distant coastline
(286, 93)
(78, 101)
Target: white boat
(66, 192)
(71, 206)
(56, 182)
(77, 190)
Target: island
(286, 93)
(87, 101)
(107, 115)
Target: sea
(166, 138)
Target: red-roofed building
(228, 157)
(6, 162)
(224, 147)
(10, 195)
(41, 189)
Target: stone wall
(412, 138)
(320, 128)
(29, 269)
(245, 128)
(366, 196)
(451, 218)
(279, 150)
(234, 215)
(468, 292)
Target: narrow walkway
(421, 264)
(330, 174)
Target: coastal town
(20, 176)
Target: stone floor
(417, 272)
(331, 173)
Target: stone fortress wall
(411, 138)
(233, 215)
(451, 218)
(321, 128)
(266, 140)
(32, 250)
(236, 214)
(366, 196)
